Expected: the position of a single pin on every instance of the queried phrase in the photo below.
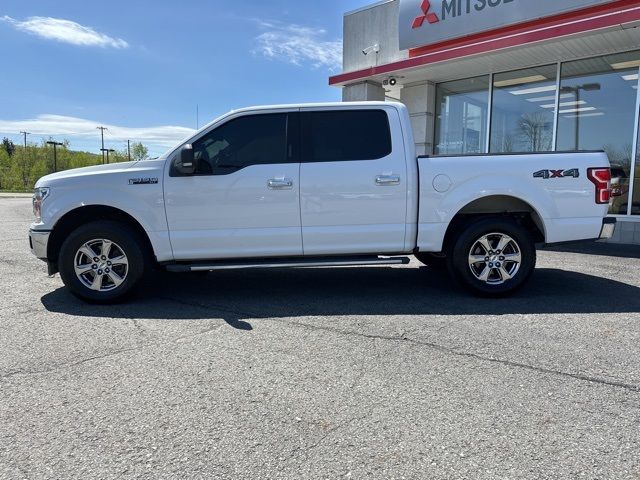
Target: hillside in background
(20, 168)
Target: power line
(102, 129)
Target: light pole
(55, 153)
(107, 151)
(587, 87)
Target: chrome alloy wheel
(495, 258)
(101, 265)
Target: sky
(144, 68)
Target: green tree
(5, 165)
(8, 146)
(23, 168)
(139, 152)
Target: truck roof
(314, 105)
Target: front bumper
(608, 228)
(39, 241)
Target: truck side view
(315, 185)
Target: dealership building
(500, 76)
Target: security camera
(372, 49)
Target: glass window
(598, 112)
(635, 207)
(461, 116)
(635, 204)
(524, 105)
(242, 142)
(345, 135)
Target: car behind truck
(315, 185)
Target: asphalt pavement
(384, 372)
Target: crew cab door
(243, 200)
(353, 181)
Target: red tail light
(601, 178)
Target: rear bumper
(608, 228)
(39, 241)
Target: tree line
(21, 168)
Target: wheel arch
(82, 215)
(499, 206)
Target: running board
(289, 263)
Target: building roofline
(368, 7)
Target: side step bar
(289, 263)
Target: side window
(242, 142)
(345, 135)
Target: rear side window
(345, 135)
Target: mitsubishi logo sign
(424, 22)
(427, 15)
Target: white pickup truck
(313, 186)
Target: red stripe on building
(594, 18)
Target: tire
(492, 257)
(113, 277)
(437, 261)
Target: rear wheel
(101, 262)
(493, 256)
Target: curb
(15, 195)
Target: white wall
(375, 24)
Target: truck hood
(143, 168)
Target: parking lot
(321, 373)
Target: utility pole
(24, 152)
(25, 138)
(102, 129)
(129, 149)
(55, 154)
(107, 151)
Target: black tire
(126, 242)
(437, 261)
(498, 283)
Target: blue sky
(141, 68)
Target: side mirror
(186, 163)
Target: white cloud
(79, 128)
(65, 31)
(299, 45)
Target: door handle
(385, 180)
(280, 183)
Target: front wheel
(493, 257)
(101, 262)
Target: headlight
(39, 196)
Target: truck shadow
(601, 249)
(237, 296)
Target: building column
(364, 91)
(421, 101)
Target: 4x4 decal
(547, 174)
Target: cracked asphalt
(380, 372)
